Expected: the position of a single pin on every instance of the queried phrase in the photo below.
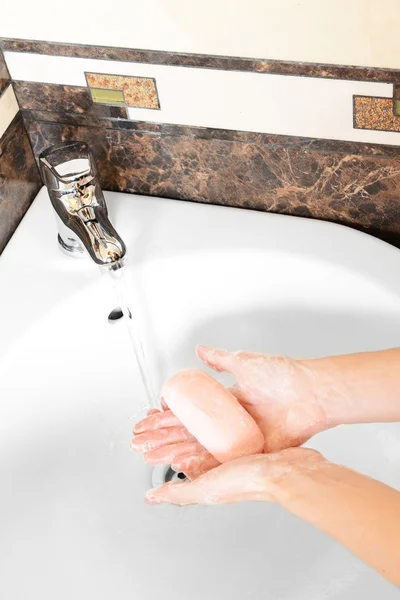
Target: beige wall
(351, 32)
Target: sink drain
(164, 474)
(117, 314)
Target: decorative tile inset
(114, 97)
(139, 92)
(375, 113)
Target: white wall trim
(341, 32)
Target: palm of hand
(278, 392)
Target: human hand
(283, 396)
(260, 477)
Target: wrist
(329, 390)
(347, 387)
(289, 473)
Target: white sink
(72, 517)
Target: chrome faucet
(69, 172)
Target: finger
(169, 454)
(193, 468)
(150, 440)
(199, 463)
(177, 493)
(197, 491)
(219, 360)
(153, 411)
(164, 404)
(157, 421)
(192, 475)
(236, 481)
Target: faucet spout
(69, 172)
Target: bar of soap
(212, 415)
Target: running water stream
(130, 309)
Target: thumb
(235, 481)
(174, 493)
(219, 360)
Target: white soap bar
(213, 415)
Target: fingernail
(134, 446)
(138, 427)
(151, 497)
(201, 349)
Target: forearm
(359, 388)
(360, 513)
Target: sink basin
(72, 517)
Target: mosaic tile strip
(19, 179)
(335, 185)
(375, 113)
(63, 99)
(225, 63)
(139, 92)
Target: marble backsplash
(348, 183)
(19, 176)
